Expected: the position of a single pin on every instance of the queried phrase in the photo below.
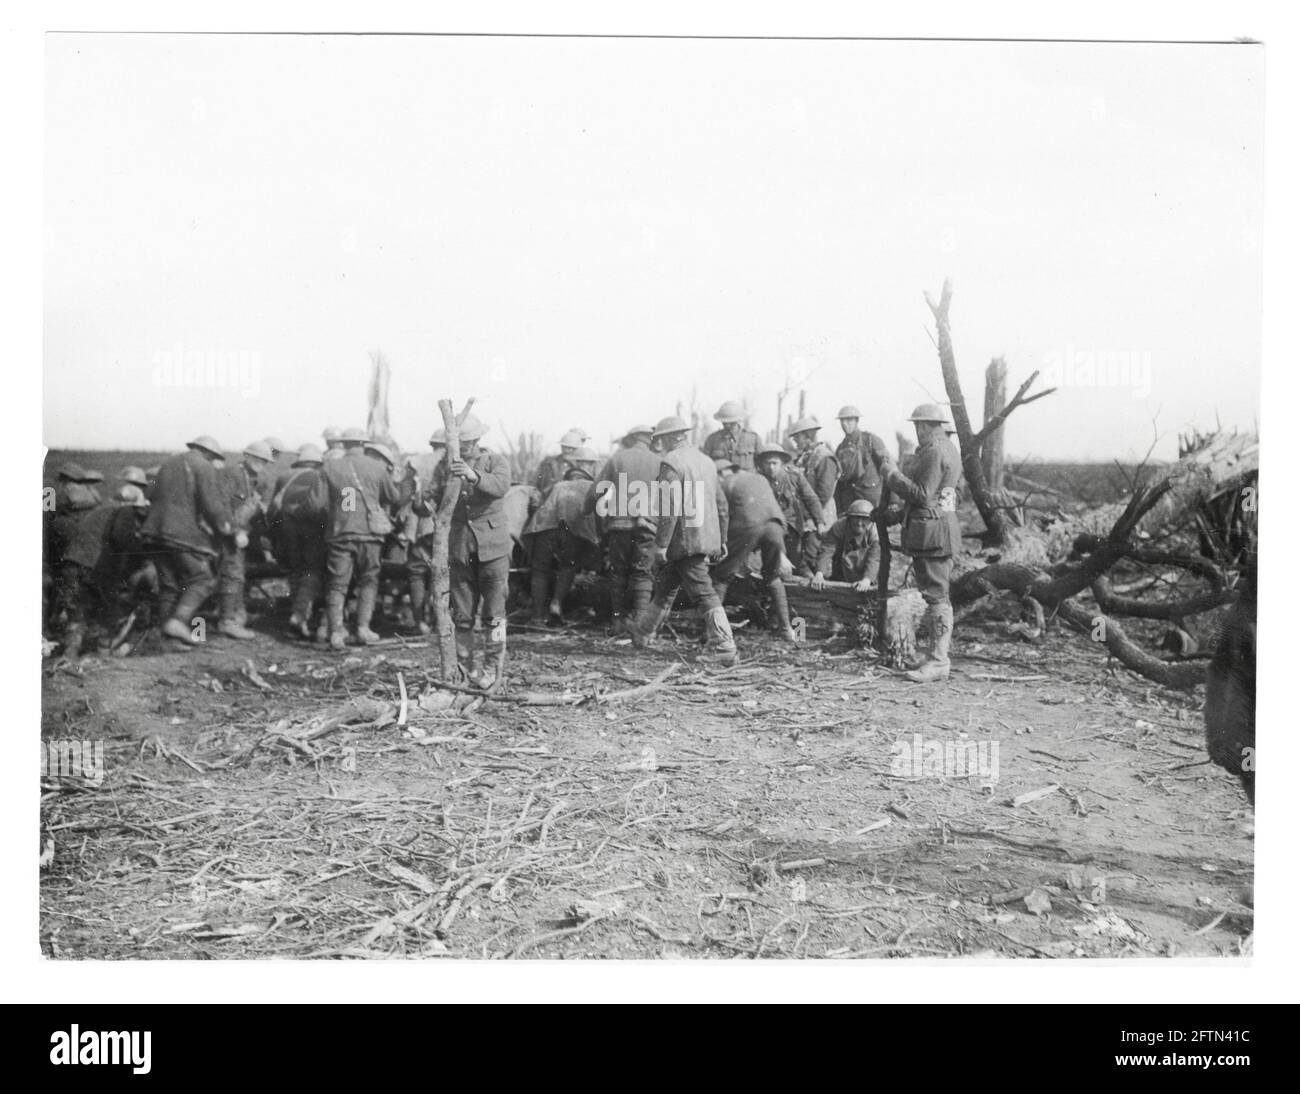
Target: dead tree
(441, 540)
(995, 401)
(971, 442)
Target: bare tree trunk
(882, 572)
(995, 400)
(971, 442)
(1102, 629)
(441, 591)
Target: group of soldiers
(332, 517)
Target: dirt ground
(756, 811)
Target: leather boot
(232, 611)
(780, 609)
(465, 652)
(304, 601)
(720, 645)
(334, 617)
(494, 653)
(419, 591)
(366, 598)
(644, 626)
(73, 637)
(617, 607)
(540, 586)
(563, 583)
(936, 666)
(179, 625)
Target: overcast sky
(588, 231)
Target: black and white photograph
(517, 497)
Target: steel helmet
(73, 472)
(332, 433)
(471, 429)
(93, 476)
(861, 508)
(647, 430)
(354, 435)
(581, 433)
(671, 424)
(135, 476)
(772, 450)
(929, 412)
(724, 464)
(130, 494)
(730, 411)
(207, 444)
(308, 454)
(805, 425)
(439, 437)
(260, 450)
(583, 455)
(848, 411)
(573, 438)
(382, 450)
(275, 445)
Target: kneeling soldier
(851, 550)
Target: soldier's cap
(275, 445)
(332, 433)
(572, 438)
(773, 450)
(439, 437)
(636, 430)
(130, 494)
(207, 444)
(849, 411)
(382, 450)
(308, 455)
(260, 450)
(730, 411)
(861, 508)
(929, 412)
(73, 472)
(134, 475)
(472, 429)
(671, 424)
(724, 464)
(93, 476)
(805, 425)
(354, 435)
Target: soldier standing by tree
(479, 546)
(931, 534)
